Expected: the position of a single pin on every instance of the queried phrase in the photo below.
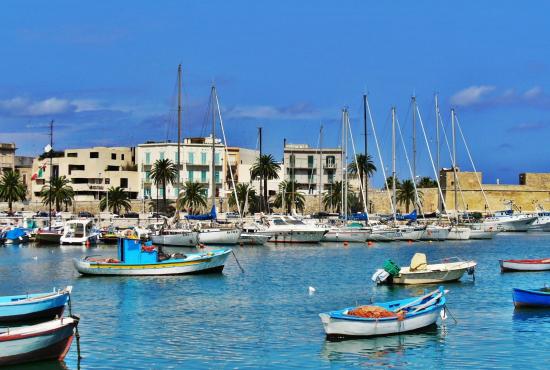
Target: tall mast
(454, 160)
(213, 162)
(261, 176)
(320, 190)
(414, 138)
(366, 176)
(394, 195)
(342, 162)
(439, 202)
(51, 176)
(345, 167)
(179, 128)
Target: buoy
(370, 244)
(311, 290)
(201, 245)
(88, 243)
(410, 241)
(346, 244)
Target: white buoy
(311, 290)
(35, 258)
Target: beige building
(314, 170)
(20, 164)
(92, 171)
(195, 165)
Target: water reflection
(43, 365)
(538, 315)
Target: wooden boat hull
(49, 340)
(220, 237)
(525, 265)
(183, 239)
(204, 263)
(336, 324)
(34, 306)
(531, 298)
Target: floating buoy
(346, 244)
(201, 246)
(370, 244)
(410, 241)
(311, 290)
(88, 243)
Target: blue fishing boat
(531, 297)
(386, 318)
(16, 235)
(34, 306)
(142, 258)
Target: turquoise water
(265, 318)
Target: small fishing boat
(15, 235)
(142, 258)
(386, 317)
(525, 265)
(79, 232)
(34, 306)
(49, 235)
(420, 272)
(46, 341)
(531, 297)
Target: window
(113, 155)
(123, 182)
(203, 158)
(330, 161)
(191, 158)
(177, 157)
(147, 158)
(217, 158)
(107, 181)
(161, 192)
(76, 167)
(292, 160)
(310, 161)
(147, 175)
(94, 154)
(190, 175)
(161, 155)
(203, 176)
(112, 168)
(217, 176)
(147, 192)
(122, 156)
(72, 155)
(330, 176)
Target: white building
(195, 165)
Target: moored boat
(34, 306)
(45, 341)
(531, 297)
(219, 236)
(459, 233)
(138, 258)
(15, 235)
(79, 232)
(435, 233)
(385, 318)
(525, 265)
(49, 235)
(176, 238)
(344, 234)
(253, 239)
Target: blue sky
(106, 72)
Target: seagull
(311, 290)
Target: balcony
(329, 166)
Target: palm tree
(366, 166)
(164, 172)
(244, 192)
(118, 200)
(389, 183)
(427, 182)
(265, 168)
(406, 194)
(57, 192)
(192, 196)
(12, 188)
(333, 199)
(288, 194)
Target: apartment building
(20, 164)
(92, 171)
(195, 165)
(314, 170)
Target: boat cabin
(133, 251)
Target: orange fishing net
(371, 312)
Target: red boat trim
(55, 351)
(32, 335)
(538, 261)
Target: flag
(34, 176)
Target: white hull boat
(177, 238)
(346, 235)
(435, 233)
(286, 229)
(253, 239)
(459, 233)
(525, 265)
(508, 221)
(220, 236)
(79, 232)
(542, 223)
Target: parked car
(131, 215)
(85, 215)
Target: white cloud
(84, 105)
(20, 106)
(296, 111)
(532, 93)
(471, 95)
(49, 106)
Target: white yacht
(542, 223)
(482, 231)
(459, 233)
(176, 238)
(286, 229)
(385, 233)
(510, 221)
(79, 232)
(346, 234)
(436, 233)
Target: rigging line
(379, 154)
(357, 166)
(417, 198)
(432, 161)
(454, 169)
(227, 158)
(473, 165)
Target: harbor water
(266, 318)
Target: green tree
(389, 184)
(58, 192)
(12, 188)
(164, 172)
(265, 168)
(288, 194)
(118, 200)
(406, 194)
(192, 197)
(244, 191)
(366, 167)
(333, 198)
(427, 182)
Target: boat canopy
(411, 216)
(359, 217)
(208, 216)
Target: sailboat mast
(394, 194)
(213, 161)
(51, 176)
(261, 177)
(320, 191)
(454, 161)
(342, 162)
(179, 129)
(440, 200)
(365, 175)
(345, 166)
(414, 138)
